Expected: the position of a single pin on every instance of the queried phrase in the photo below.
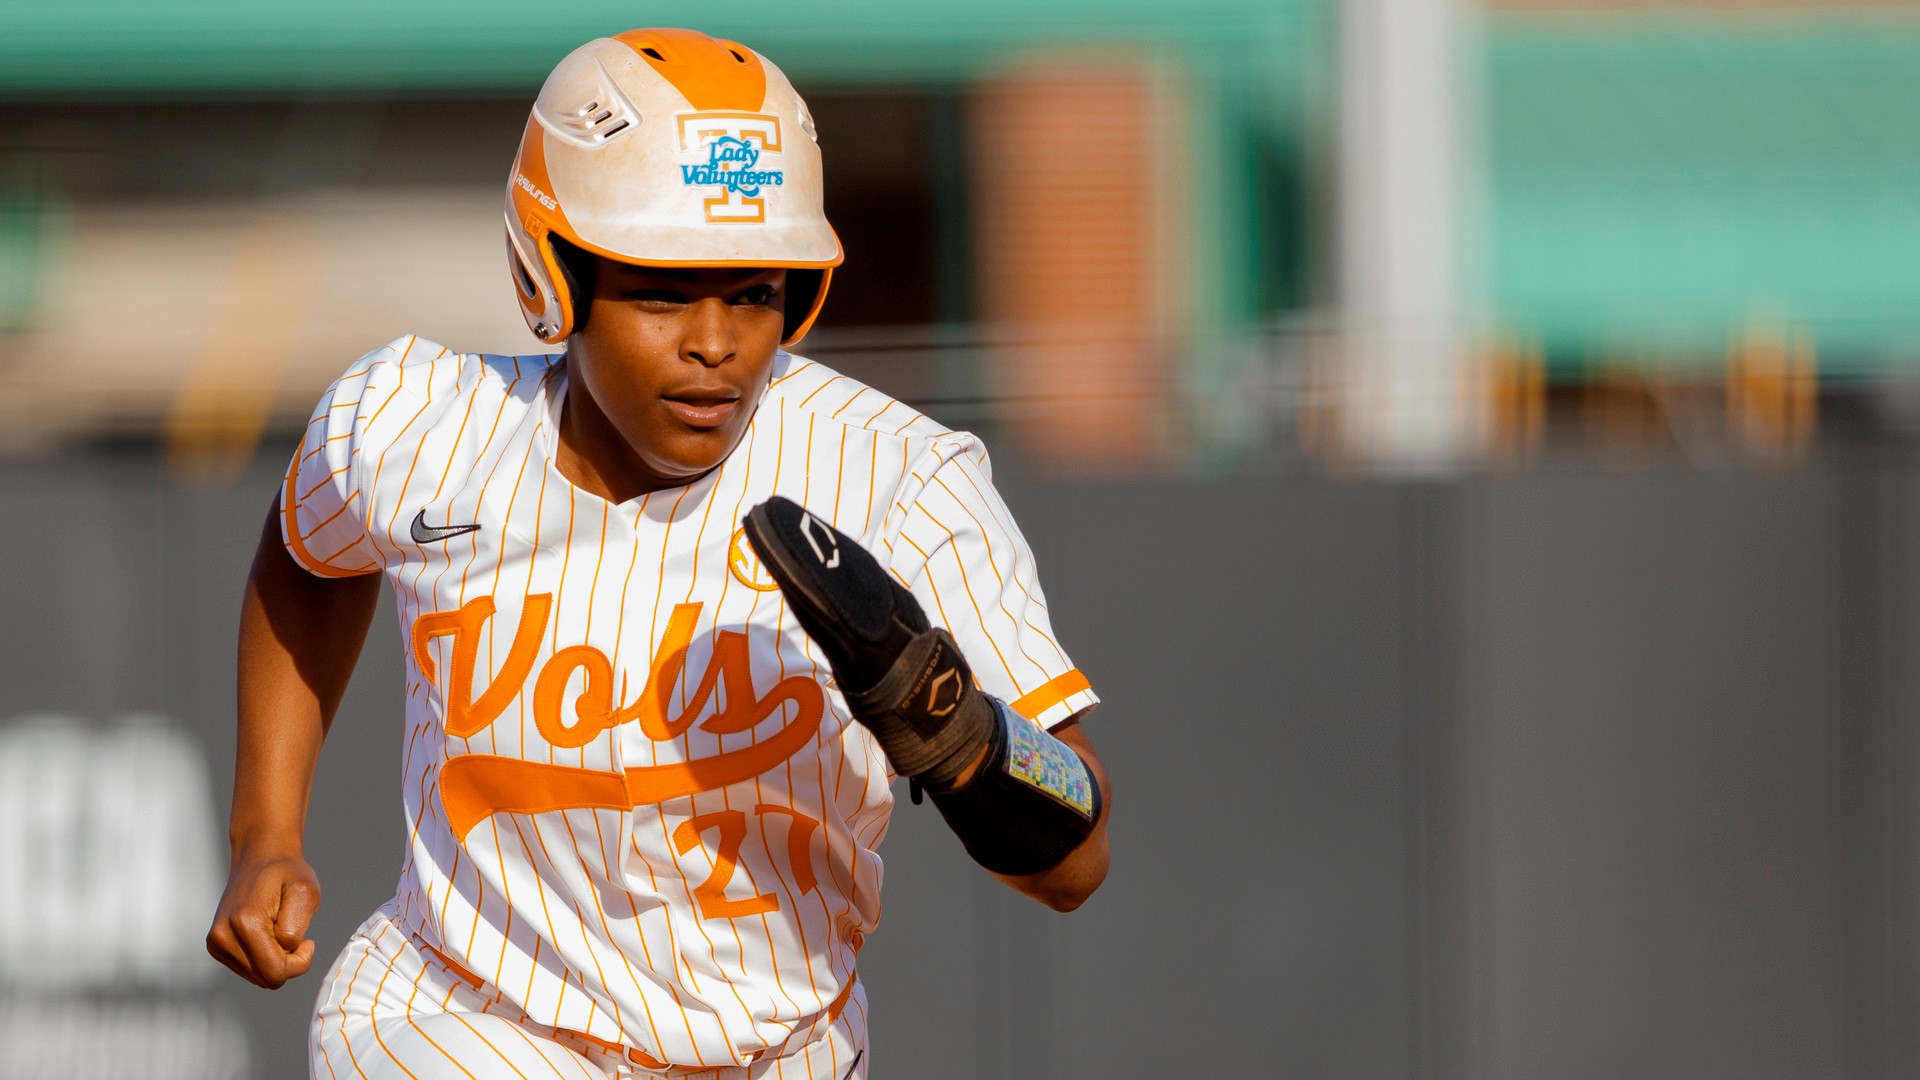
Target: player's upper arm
(325, 496)
(960, 552)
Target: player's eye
(653, 297)
(758, 296)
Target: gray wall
(1583, 772)
(1663, 813)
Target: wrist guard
(1029, 805)
(926, 712)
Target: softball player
(678, 606)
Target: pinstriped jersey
(636, 805)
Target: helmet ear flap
(543, 300)
(806, 291)
(576, 267)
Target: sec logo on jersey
(745, 566)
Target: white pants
(390, 1011)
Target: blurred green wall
(1661, 182)
(197, 45)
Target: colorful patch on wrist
(1044, 763)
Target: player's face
(676, 359)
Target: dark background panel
(1657, 752)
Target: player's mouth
(702, 407)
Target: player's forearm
(1067, 885)
(299, 638)
(277, 749)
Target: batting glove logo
(949, 682)
(815, 531)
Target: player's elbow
(1064, 902)
(1070, 896)
(1068, 885)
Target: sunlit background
(1470, 449)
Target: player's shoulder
(410, 375)
(911, 455)
(812, 388)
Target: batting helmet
(667, 148)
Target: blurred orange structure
(1072, 268)
(1773, 380)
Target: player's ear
(576, 266)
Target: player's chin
(692, 452)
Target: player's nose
(709, 339)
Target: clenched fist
(260, 929)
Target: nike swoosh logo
(424, 533)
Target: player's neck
(594, 457)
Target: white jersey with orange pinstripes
(635, 805)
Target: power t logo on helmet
(667, 148)
(730, 164)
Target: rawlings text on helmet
(533, 189)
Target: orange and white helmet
(667, 148)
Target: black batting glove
(904, 679)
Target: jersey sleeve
(323, 501)
(964, 559)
